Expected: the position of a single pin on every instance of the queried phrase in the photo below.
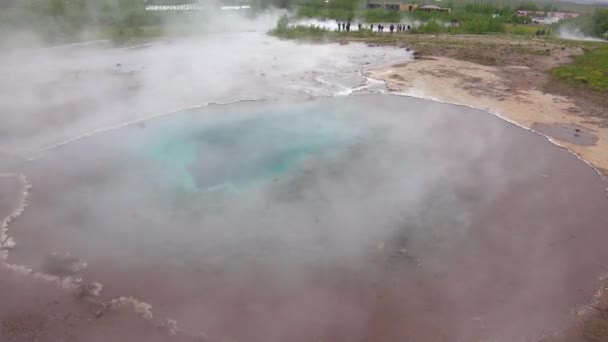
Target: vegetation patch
(589, 70)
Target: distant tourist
(409, 27)
(344, 26)
(371, 27)
(339, 26)
(348, 26)
(359, 26)
(392, 28)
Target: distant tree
(547, 8)
(8, 3)
(600, 22)
(57, 7)
(527, 6)
(594, 24)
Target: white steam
(575, 33)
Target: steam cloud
(573, 33)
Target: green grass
(321, 12)
(381, 16)
(302, 32)
(589, 70)
(476, 25)
(522, 30)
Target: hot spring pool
(367, 218)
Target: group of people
(345, 26)
(400, 28)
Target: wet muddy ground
(567, 132)
(33, 310)
(419, 213)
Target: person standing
(392, 28)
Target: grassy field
(522, 30)
(589, 70)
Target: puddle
(571, 133)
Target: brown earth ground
(509, 76)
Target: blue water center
(205, 152)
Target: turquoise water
(206, 152)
